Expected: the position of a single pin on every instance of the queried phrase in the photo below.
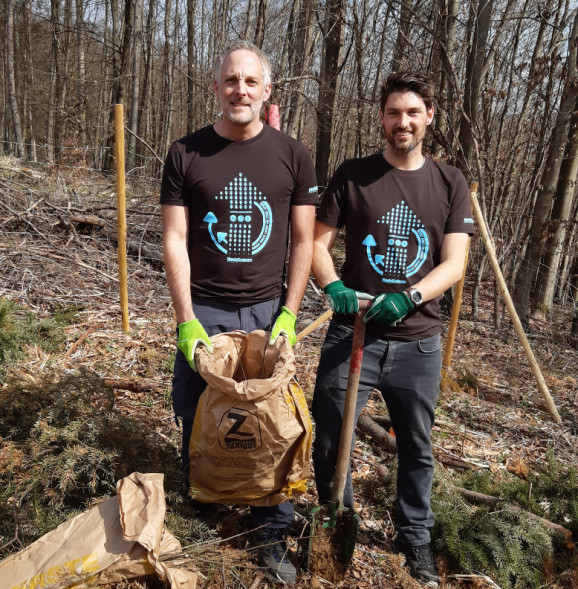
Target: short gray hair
(246, 46)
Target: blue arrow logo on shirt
(210, 218)
(370, 242)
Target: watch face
(415, 296)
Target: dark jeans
(218, 317)
(408, 376)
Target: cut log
(376, 433)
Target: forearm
(298, 274)
(449, 271)
(437, 282)
(323, 265)
(300, 256)
(178, 273)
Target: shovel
(334, 527)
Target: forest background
(507, 115)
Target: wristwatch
(415, 296)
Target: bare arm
(450, 269)
(176, 257)
(323, 266)
(302, 222)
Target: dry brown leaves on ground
(58, 253)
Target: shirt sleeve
(173, 178)
(333, 208)
(306, 192)
(460, 217)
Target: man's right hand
(343, 300)
(191, 335)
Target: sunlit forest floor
(65, 360)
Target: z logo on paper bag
(239, 429)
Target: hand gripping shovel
(334, 527)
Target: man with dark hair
(228, 193)
(407, 220)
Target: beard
(245, 117)
(402, 145)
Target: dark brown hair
(408, 82)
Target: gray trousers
(408, 376)
(218, 317)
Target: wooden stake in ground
(512, 310)
(121, 212)
(457, 303)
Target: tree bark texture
(526, 278)
(559, 233)
(328, 84)
(14, 110)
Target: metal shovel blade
(333, 526)
(332, 541)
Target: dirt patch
(333, 535)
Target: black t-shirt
(239, 195)
(395, 222)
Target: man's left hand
(285, 325)
(389, 309)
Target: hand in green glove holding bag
(389, 309)
(285, 324)
(191, 335)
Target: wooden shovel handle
(315, 324)
(348, 422)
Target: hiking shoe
(272, 555)
(420, 561)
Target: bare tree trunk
(121, 67)
(81, 68)
(569, 257)
(220, 17)
(357, 34)
(248, 19)
(328, 84)
(54, 74)
(402, 43)
(260, 27)
(378, 79)
(191, 7)
(62, 129)
(14, 111)
(558, 233)
(128, 26)
(29, 86)
(443, 128)
(299, 54)
(574, 283)
(526, 278)
(473, 83)
(115, 41)
(505, 193)
(144, 107)
(168, 73)
(135, 98)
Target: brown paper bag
(120, 539)
(251, 438)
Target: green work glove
(389, 309)
(285, 325)
(341, 299)
(191, 335)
